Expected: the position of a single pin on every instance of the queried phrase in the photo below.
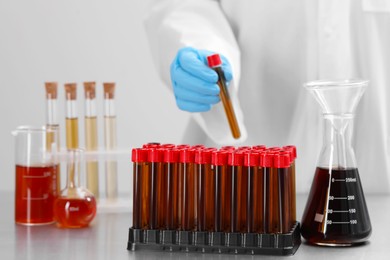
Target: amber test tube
(256, 192)
(223, 201)
(171, 170)
(138, 157)
(214, 61)
(282, 164)
(157, 185)
(240, 189)
(188, 185)
(293, 155)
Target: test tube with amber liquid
(52, 123)
(91, 137)
(240, 191)
(214, 62)
(138, 157)
(206, 189)
(282, 165)
(171, 170)
(256, 192)
(293, 155)
(145, 198)
(223, 200)
(188, 185)
(110, 139)
(159, 200)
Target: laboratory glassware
(91, 137)
(72, 125)
(75, 207)
(36, 175)
(336, 212)
(214, 62)
(110, 139)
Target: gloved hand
(194, 83)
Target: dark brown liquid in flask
(337, 214)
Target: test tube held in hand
(91, 137)
(214, 62)
(110, 140)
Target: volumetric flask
(336, 213)
(36, 175)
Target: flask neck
(337, 151)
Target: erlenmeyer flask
(336, 213)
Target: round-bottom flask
(75, 207)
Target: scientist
(270, 49)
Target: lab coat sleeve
(173, 24)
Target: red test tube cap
(293, 150)
(236, 158)
(252, 159)
(214, 60)
(220, 157)
(156, 155)
(266, 159)
(187, 155)
(282, 160)
(139, 155)
(171, 155)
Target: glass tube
(110, 139)
(91, 137)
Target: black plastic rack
(215, 242)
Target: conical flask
(336, 212)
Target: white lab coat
(274, 47)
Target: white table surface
(107, 238)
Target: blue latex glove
(194, 83)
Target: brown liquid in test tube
(293, 155)
(240, 191)
(214, 61)
(188, 185)
(223, 192)
(171, 168)
(282, 164)
(139, 157)
(206, 190)
(155, 157)
(256, 195)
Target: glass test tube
(188, 185)
(293, 155)
(171, 169)
(206, 189)
(146, 181)
(52, 123)
(110, 139)
(72, 126)
(256, 193)
(266, 161)
(214, 61)
(91, 137)
(223, 192)
(139, 158)
(240, 188)
(282, 164)
(158, 188)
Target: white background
(77, 41)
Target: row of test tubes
(91, 129)
(195, 188)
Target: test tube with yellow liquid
(91, 137)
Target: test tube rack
(233, 222)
